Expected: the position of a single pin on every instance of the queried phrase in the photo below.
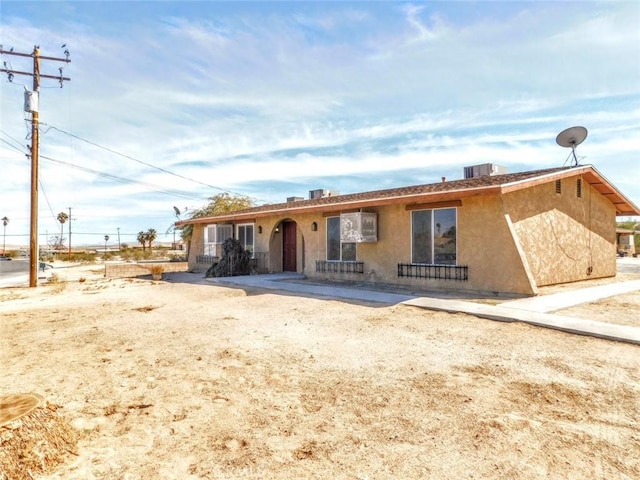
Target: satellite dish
(571, 138)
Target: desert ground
(186, 379)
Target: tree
(56, 242)
(221, 203)
(150, 236)
(5, 221)
(62, 218)
(142, 238)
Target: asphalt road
(629, 265)
(14, 272)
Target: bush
(157, 269)
(235, 260)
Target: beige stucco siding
(511, 243)
(565, 238)
(487, 245)
(196, 246)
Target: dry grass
(192, 380)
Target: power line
(11, 145)
(47, 199)
(146, 163)
(156, 188)
(15, 140)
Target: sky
(171, 103)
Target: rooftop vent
(321, 193)
(484, 170)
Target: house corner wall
(196, 246)
(565, 238)
(488, 245)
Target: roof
(434, 192)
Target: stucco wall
(565, 238)
(511, 244)
(485, 244)
(196, 247)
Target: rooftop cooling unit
(485, 169)
(321, 193)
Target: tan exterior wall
(511, 244)
(487, 245)
(565, 238)
(196, 247)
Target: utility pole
(31, 105)
(69, 258)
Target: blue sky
(273, 99)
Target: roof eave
(337, 206)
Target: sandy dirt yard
(183, 379)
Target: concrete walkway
(609, 331)
(528, 310)
(558, 301)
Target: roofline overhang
(337, 206)
(623, 205)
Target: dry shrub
(57, 285)
(53, 279)
(33, 437)
(157, 269)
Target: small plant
(57, 285)
(157, 271)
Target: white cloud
(329, 90)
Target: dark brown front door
(289, 253)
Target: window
(579, 188)
(558, 186)
(215, 235)
(336, 249)
(434, 236)
(245, 236)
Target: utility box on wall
(359, 227)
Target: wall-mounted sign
(359, 227)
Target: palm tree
(142, 238)
(62, 218)
(151, 235)
(5, 221)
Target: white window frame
(219, 232)
(253, 236)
